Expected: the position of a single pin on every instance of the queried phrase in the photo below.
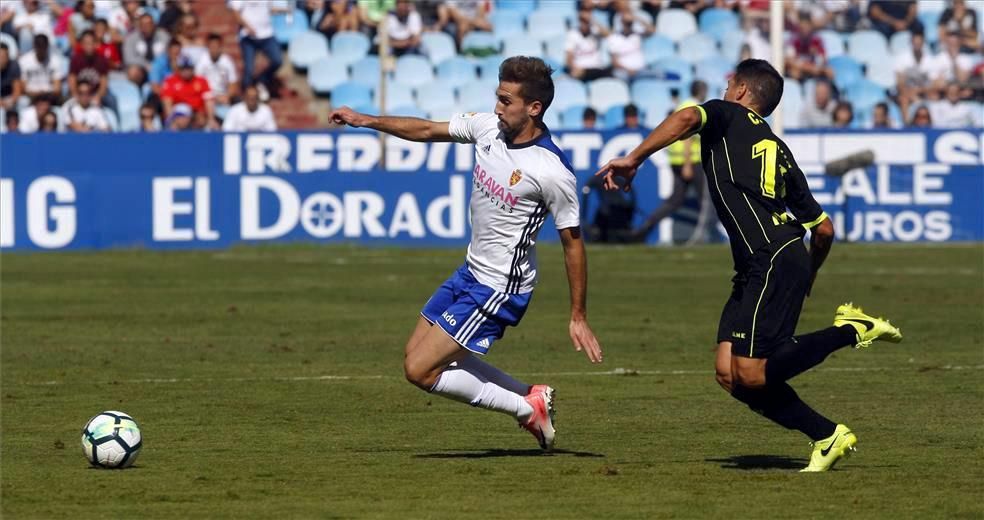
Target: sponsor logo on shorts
(449, 318)
(484, 343)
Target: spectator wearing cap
(11, 86)
(250, 115)
(82, 114)
(218, 69)
(41, 70)
(89, 66)
(143, 46)
(180, 118)
(891, 16)
(256, 35)
(582, 48)
(32, 116)
(405, 27)
(184, 87)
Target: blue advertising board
(203, 190)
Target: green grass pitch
(268, 383)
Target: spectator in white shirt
(625, 46)
(142, 46)
(220, 72)
(404, 28)
(952, 112)
(915, 72)
(41, 70)
(81, 114)
(33, 20)
(256, 34)
(250, 115)
(584, 60)
(819, 112)
(950, 64)
(32, 116)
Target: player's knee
(416, 375)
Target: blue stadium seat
(283, 30)
(675, 24)
(522, 45)
(522, 7)
(546, 24)
(477, 97)
(678, 71)
(900, 42)
(654, 114)
(413, 70)
(731, 44)
(882, 72)
(697, 47)
(128, 101)
(443, 112)
(407, 111)
(714, 70)
(867, 46)
(488, 67)
(565, 10)
(555, 48)
(551, 118)
(569, 92)
(646, 92)
(112, 120)
(457, 71)
(833, 43)
(606, 92)
(366, 71)
(657, 47)
(350, 46)
(306, 48)
(571, 117)
(864, 94)
(437, 46)
(479, 40)
(506, 24)
(615, 117)
(792, 103)
(324, 74)
(435, 95)
(718, 22)
(931, 21)
(351, 94)
(846, 71)
(396, 96)
(367, 108)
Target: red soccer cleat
(540, 424)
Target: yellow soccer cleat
(869, 328)
(828, 451)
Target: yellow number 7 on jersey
(766, 149)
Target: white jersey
(513, 189)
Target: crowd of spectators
(70, 51)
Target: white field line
(626, 372)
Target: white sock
(475, 365)
(462, 385)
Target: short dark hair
(630, 110)
(697, 87)
(763, 81)
(882, 105)
(88, 32)
(102, 21)
(4, 46)
(214, 36)
(533, 76)
(589, 113)
(41, 40)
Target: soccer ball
(111, 440)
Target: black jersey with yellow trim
(753, 180)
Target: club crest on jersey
(517, 175)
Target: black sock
(780, 404)
(802, 353)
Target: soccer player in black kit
(753, 180)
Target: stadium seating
(112, 120)
(552, 119)
(286, 26)
(675, 24)
(569, 92)
(882, 72)
(555, 48)
(478, 96)
(437, 46)
(366, 71)
(306, 48)
(128, 101)
(867, 46)
(900, 42)
(11, 43)
(847, 71)
(413, 71)
(731, 44)
(350, 46)
(718, 22)
(324, 74)
(658, 47)
(407, 111)
(396, 97)
(931, 19)
(792, 103)
(572, 116)
(456, 71)
(833, 43)
(435, 95)
(865, 94)
(351, 94)
(607, 92)
(546, 24)
(679, 72)
(714, 70)
(522, 45)
(521, 7)
(479, 40)
(507, 24)
(696, 47)
(488, 67)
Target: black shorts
(766, 300)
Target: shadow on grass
(747, 462)
(486, 454)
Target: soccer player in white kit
(520, 175)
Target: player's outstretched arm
(409, 128)
(679, 125)
(576, 261)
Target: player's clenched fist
(347, 116)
